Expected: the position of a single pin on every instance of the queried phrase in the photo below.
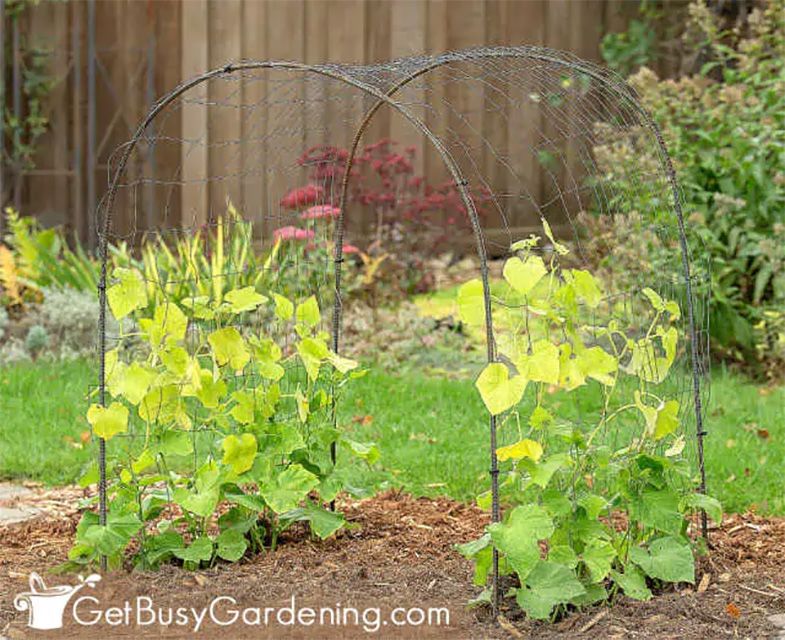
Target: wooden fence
(110, 59)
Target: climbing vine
(595, 505)
(223, 434)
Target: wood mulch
(400, 554)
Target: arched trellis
(387, 98)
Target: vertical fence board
(525, 25)
(408, 37)
(225, 21)
(254, 122)
(286, 109)
(194, 47)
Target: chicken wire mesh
(270, 175)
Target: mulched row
(399, 553)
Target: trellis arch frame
(619, 87)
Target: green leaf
(288, 488)
(281, 439)
(522, 449)
(710, 505)
(548, 585)
(598, 556)
(542, 472)
(666, 559)
(367, 451)
(632, 582)
(646, 364)
(518, 538)
(112, 539)
(563, 554)
(161, 547)
(253, 502)
(176, 443)
(245, 299)
(308, 312)
(540, 418)
(202, 503)
(240, 452)
(657, 508)
(523, 275)
(200, 550)
(107, 422)
(229, 347)
(471, 303)
(284, 308)
(128, 294)
(499, 392)
(470, 549)
(231, 545)
(323, 523)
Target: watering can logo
(47, 604)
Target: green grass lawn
(432, 433)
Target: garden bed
(400, 555)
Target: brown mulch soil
(401, 554)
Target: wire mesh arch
(416, 90)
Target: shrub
(725, 128)
(37, 339)
(4, 320)
(599, 502)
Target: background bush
(725, 128)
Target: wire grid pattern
(517, 134)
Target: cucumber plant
(597, 501)
(220, 440)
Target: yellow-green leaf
(499, 392)
(471, 302)
(312, 352)
(308, 312)
(523, 275)
(168, 324)
(667, 419)
(597, 363)
(240, 452)
(557, 246)
(128, 294)
(229, 347)
(586, 287)
(571, 374)
(284, 308)
(107, 422)
(522, 449)
(245, 299)
(210, 390)
(243, 411)
(543, 363)
(135, 382)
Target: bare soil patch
(400, 554)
